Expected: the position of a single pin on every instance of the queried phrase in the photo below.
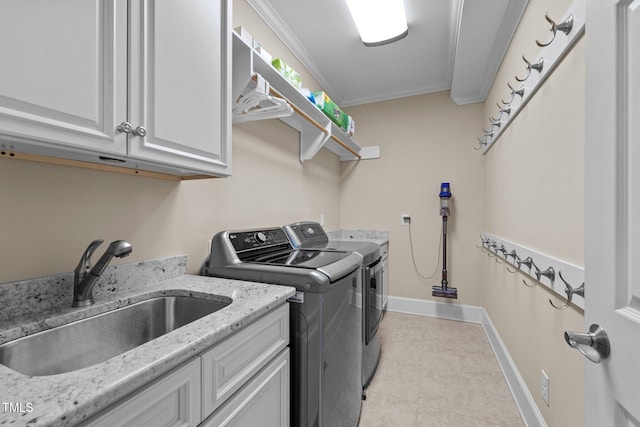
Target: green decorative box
(331, 110)
(287, 72)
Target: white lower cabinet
(173, 400)
(231, 363)
(263, 401)
(241, 381)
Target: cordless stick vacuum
(443, 290)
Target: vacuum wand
(444, 290)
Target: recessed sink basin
(95, 339)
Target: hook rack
(565, 27)
(570, 291)
(516, 256)
(550, 55)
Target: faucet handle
(84, 265)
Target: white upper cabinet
(179, 72)
(63, 78)
(144, 84)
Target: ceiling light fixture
(379, 22)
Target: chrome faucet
(85, 277)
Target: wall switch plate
(544, 386)
(405, 219)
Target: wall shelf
(316, 130)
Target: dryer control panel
(306, 233)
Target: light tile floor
(436, 372)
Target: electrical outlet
(544, 386)
(405, 219)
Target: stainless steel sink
(95, 339)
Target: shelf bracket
(312, 140)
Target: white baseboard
(529, 411)
(443, 310)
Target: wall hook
(496, 123)
(506, 110)
(483, 143)
(570, 291)
(504, 254)
(514, 92)
(549, 273)
(483, 242)
(529, 262)
(565, 26)
(535, 66)
(494, 246)
(516, 259)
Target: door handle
(594, 345)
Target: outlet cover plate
(544, 386)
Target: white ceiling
(452, 45)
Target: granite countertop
(69, 398)
(380, 237)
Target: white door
(612, 203)
(179, 88)
(63, 73)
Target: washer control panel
(253, 239)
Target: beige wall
(534, 178)
(424, 140)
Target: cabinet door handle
(125, 127)
(140, 131)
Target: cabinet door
(231, 363)
(264, 401)
(63, 74)
(174, 400)
(180, 87)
